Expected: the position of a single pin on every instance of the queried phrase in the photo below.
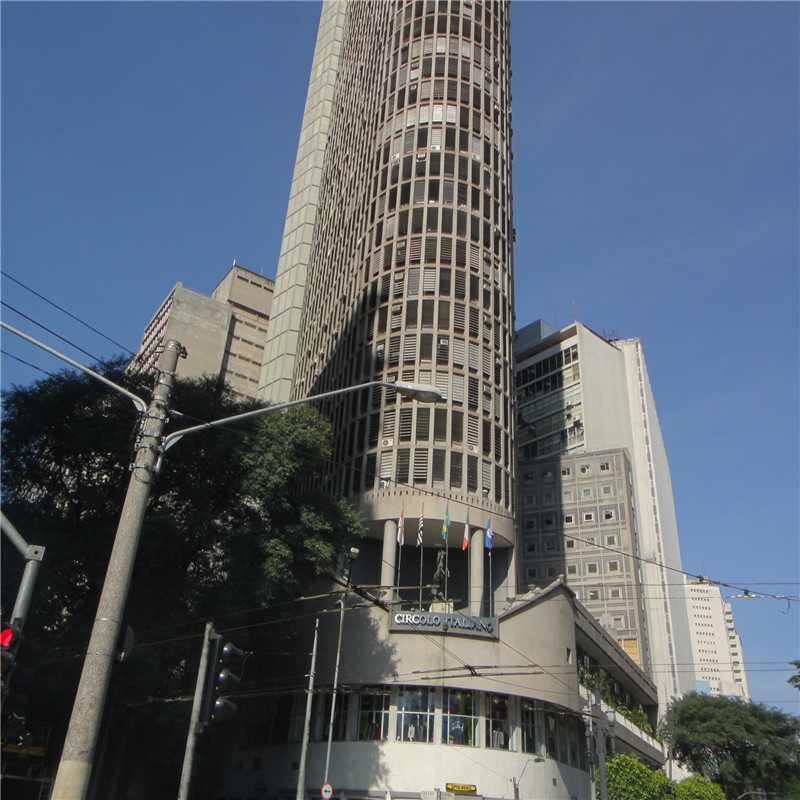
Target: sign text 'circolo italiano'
(443, 622)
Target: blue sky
(655, 193)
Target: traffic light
(224, 675)
(10, 637)
(20, 655)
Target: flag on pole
(400, 528)
(446, 523)
(421, 522)
(489, 534)
(465, 543)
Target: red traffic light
(7, 636)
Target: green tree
(627, 778)
(236, 526)
(740, 746)
(795, 679)
(699, 788)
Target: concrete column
(389, 552)
(476, 572)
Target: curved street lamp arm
(411, 390)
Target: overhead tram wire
(26, 363)
(64, 311)
(703, 579)
(51, 332)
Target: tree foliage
(794, 680)
(743, 747)
(627, 778)
(699, 788)
(236, 526)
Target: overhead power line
(69, 314)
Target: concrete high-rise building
(396, 264)
(585, 403)
(223, 334)
(718, 656)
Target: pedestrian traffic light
(224, 676)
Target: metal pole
(600, 732)
(301, 775)
(194, 721)
(335, 686)
(33, 554)
(72, 779)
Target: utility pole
(194, 722)
(72, 779)
(352, 556)
(301, 775)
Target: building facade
(396, 264)
(577, 521)
(718, 656)
(438, 704)
(584, 402)
(223, 334)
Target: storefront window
(373, 715)
(459, 718)
(529, 744)
(498, 730)
(322, 717)
(415, 708)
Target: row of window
(553, 544)
(448, 717)
(535, 521)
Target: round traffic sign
(326, 791)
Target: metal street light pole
(352, 556)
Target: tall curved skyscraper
(396, 264)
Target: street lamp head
(418, 391)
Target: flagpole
(420, 577)
(446, 568)
(399, 565)
(419, 545)
(491, 587)
(401, 535)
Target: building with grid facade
(585, 403)
(578, 521)
(396, 264)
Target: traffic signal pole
(33, 554)
(194, 722)
(72, 779)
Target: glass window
(415, 707)
(498, 731)
(459, 718)
(373, 715)
(551, 740)
(528, 727)
(323, 717)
